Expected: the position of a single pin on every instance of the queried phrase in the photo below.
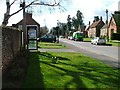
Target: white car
(70, 37)
(98, 40)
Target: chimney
(106, 22)
(28, 15)
(89, 23)
(96, 18)
(101, 18)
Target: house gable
(29, 21)
(117, 19)
(112, 22)
(94, 29)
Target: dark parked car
(48, 38)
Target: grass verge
(114, 43)
(49, 45)
(69, 70)
(87, 39)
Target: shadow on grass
(50, 56)
(97, 75)
(34, 77)
(75, 75)
(15, 72)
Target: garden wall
(11, 45)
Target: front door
(32, 37)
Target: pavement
(107, 60)
(56, 50)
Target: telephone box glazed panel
(32, 37)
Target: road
(108, 54)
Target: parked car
(61, 37)
(98, 40)
(48, 38)
(70, 37)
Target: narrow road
(107, 54)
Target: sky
(89, 8)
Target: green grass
(71, 70)
(50, 45)
(114, 43)
(87, 39)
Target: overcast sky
(89, 8)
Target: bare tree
(49, 3)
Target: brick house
(94, 28)
(104, 31)
(114, 25)
(29, 22)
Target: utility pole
(107, 25)
(24, 25)
(57, 29)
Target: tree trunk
(7, 14)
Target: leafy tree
(62, 29)
(49, 3)
(69, 24)
(79, 16)
(74, 23)
(79, 19)
(43, 30)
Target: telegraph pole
(107, 25)
(24, 40)
(24, 25)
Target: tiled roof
(87, 28)
(105, 26)
(29, 20)
(94, 24)
(117, 19)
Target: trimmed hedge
(115, 36)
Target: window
(20, 27)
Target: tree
(51, 3)
(43, 30)
(79, 19)
(74, 23)
(62, 29)
(69, 23)
(79, 16)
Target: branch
(63, 8)
(46, 4)
(22, 8)
(13, 2)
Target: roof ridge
(94, 24)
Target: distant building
(94, 28)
